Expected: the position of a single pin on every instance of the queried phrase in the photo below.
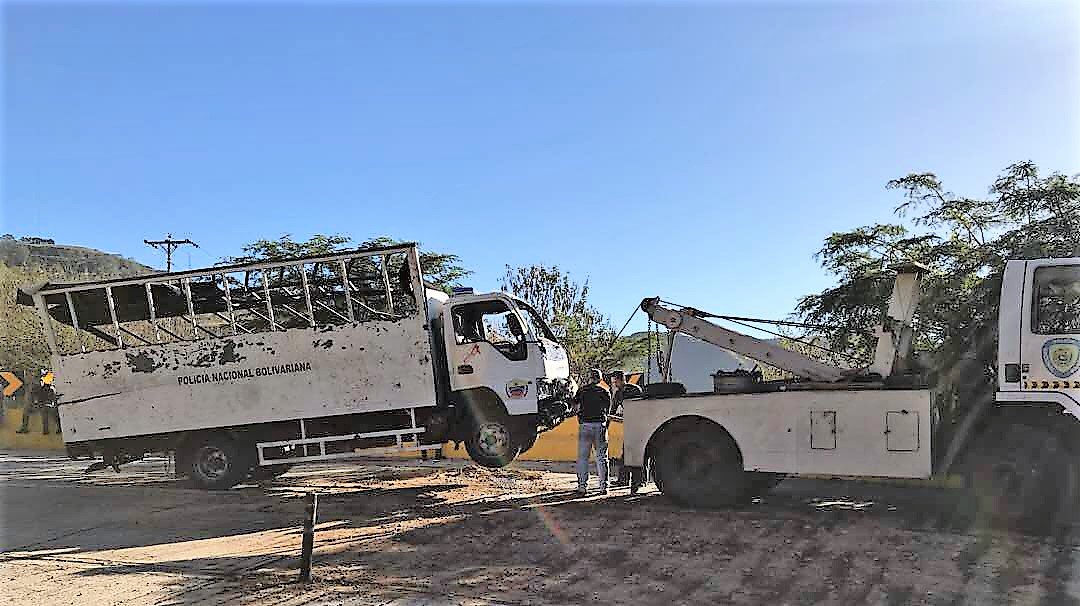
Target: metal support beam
(307, 295)
(269, 303)
(75, 322)
(228, 303)
(153, 313)
(386, 283)
(348, 292)
(186, 282)
(112, 314)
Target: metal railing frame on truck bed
(243, 299)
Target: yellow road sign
(47, 378)
(13, 382)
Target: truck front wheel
(1022, 477)
(491, 441)
(216, 462)
(701, 467)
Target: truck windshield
(535, 322)
(1057, 300)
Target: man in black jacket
(593, 403)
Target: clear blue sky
(695, 151)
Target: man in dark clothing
(617, 380)
(42, 400)
(593, 403)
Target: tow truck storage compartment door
(902, 431)
(823, 429)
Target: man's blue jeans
(592, 436)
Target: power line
(169, 245)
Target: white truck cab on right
(1039, 333)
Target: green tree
(965, 241)
(583, 330)
(442, 270)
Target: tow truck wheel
(216, 463)
(491, 441)
(701, 467)
(1022, 477)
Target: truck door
(1050, 350)
(487, 347)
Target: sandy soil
(452, 533)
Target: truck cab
(1039, 328)
(505, 372)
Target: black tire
(269, 472)
(217, 462)
(1022, 477)
(701, 467)
(491, 441)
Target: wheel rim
(211, 462)
(493, 439)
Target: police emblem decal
(517, 389)
(1061, 357)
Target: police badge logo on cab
(1061, 356)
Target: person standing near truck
(593, 402)
(617, 380)
(42, 400)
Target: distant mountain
(62, 262)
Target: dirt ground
(393, 532)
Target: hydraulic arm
(892, 356)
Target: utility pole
(169, 245)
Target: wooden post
(310, 512)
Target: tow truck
(1016, 446)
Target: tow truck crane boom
(687, 321)
(891, 356)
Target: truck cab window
(493, 322)
(1057, 300)
(536, 323)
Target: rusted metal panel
(245, 379)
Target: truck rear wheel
(1022, 477)
(217, 462)
(491, 441)
(701, 467)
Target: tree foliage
(582, 329)
(441, 270)
(965, 241)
